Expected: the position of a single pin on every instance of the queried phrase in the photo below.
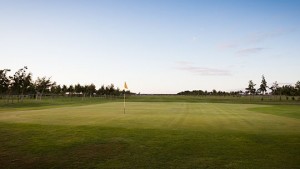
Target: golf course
(149, 84)
(153, 134)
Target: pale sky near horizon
(155, 46)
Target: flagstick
(125, 87)
(124, 102)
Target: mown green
(151, 135)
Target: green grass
(270, 100)
(282, 110)
(151, 135)
(60, 101)
(49, 102)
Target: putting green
(195, 116)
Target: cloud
(202, 70)
(262, 36)
(253, 39)
(227, 46)
(248, 51)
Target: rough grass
(151, 135)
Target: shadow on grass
(42, 146)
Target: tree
(64, 89)
(71, 90)
(251, 88)
(55, 89)
(43, 84)
(263, 85)
(78, 89)
(297, 87)
(85, 90)
(106, 91)
(117, 92)
(4, 81)
(274, 88)
(111, 89)
(288, 90)
(101, 90)
(91, 89)
(21, 82)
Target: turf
(282, 110)
(151, 135)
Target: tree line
(21, 84)
(214, 92)
(287, 90)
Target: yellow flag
(125, 86)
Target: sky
(155, 46)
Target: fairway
(151, 135)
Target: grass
(151, 135)
(49, 102)
(283, 110)
(60, 101)
(270, 100)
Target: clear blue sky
(155, 46)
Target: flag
(125, 86)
